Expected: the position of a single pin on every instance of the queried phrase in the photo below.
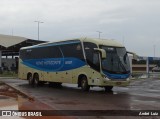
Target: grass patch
(8, 74)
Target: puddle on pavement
(12, 99)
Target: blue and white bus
(87, 62)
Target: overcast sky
(134, 23)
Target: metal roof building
(10, 45)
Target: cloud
(134, 22)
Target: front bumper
(115, 83)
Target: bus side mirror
(135, 56)
(102, 51)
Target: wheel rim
(30, 79)
(36, 80)
(83, 83)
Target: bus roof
(106, 42)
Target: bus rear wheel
(108, 88)
(36, 80)
(84, 84)
(30, 79)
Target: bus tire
(108, 88)
(84, 84)
(30, 79)
(36, 80)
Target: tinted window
(91, 56)
(41, 52)
(72, 50)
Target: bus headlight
(107, 79)
(127, 79)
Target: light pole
(154, 50)
(12, 31)
(99, 32)
(38, 27)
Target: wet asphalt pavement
(141, 94)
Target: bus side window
(96, 61)
(92, 57)
(25, 54)
(72, 50)
(41, 52)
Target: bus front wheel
(108, 88)
(84, 84)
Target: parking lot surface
(141, 94)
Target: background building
(9, 50)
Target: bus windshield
(117, 61)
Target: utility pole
(99, 32)
(154, 50)
(38, 27)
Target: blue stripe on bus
(116, 76)
(56, 44)
(54, 64)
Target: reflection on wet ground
(12, 99)
(139, 95)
